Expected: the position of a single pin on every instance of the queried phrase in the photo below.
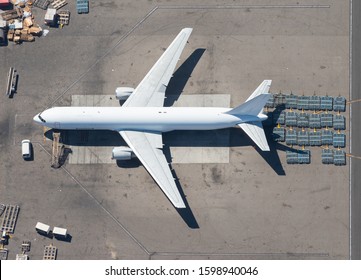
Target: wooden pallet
(50, 252)
(11, 82)
(10, 217)
(55, 150)
(64, 17)
(3, 254)
(2, 209)
(57, 4)
(9, 15)
(42, 4)
(25, 246)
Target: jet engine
(122, 93)
(122, 153)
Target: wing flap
(145, 146)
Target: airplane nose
(36, 118)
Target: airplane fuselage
(160, 119)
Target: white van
(26, 148)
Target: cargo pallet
(10, 217)
(339, 157)
(278, 134)
(339, 104)
(82, 6)
(339, 122)
(315, 138)
(327, 156)
(314, 103)
(326, 103)
(339, 140)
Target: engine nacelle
(122, 153)
(122, 93)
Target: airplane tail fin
(253, 107)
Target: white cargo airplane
(142, 118)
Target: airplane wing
(147, 147)
(151, 90)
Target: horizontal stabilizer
(251, 107)
(255, 131)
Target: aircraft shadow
(180, 77)
(229, 137)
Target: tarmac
(251, 206)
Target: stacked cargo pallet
(308, 121)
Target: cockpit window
(44, 121)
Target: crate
(327, 137)
(339, 157)
(303, 138)
(303, 120)
(326, 120)
(291, 101)
(314, 103)
(280, 99)
(315, 138)
(82, 6)
(314, 121)
(278, 134)
(326, 103)
(291, 157)
(339, 140)
(304, 156)
(339, 104)
(327, 156)
(291, 137)
(339, 122)
(303, 102)
(291, 118)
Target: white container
(42, 228)
(60, 232)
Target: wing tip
(187, 29)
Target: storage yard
(290, 203)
